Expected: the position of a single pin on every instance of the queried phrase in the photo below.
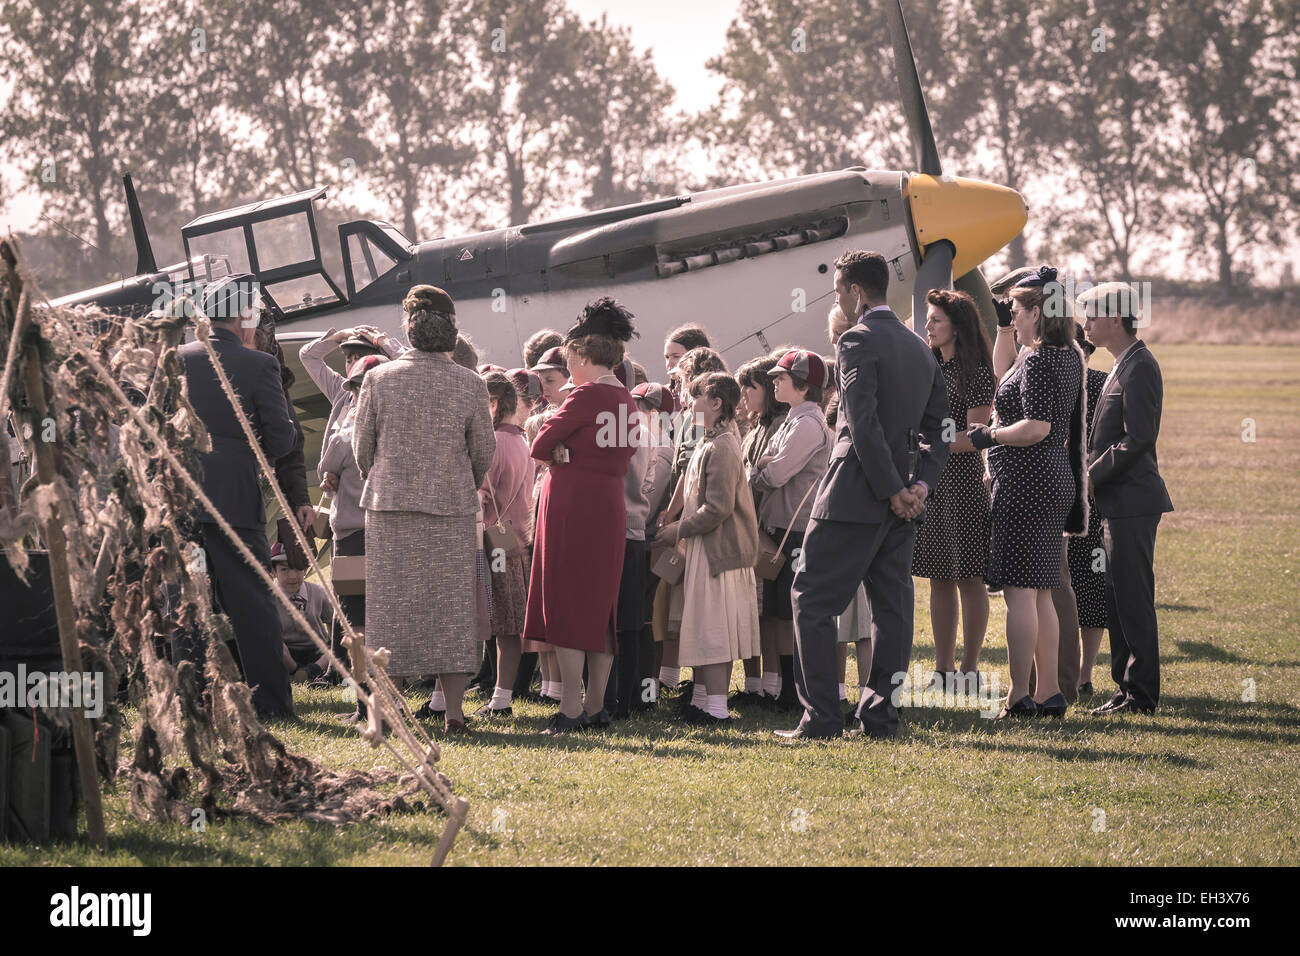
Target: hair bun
(604, 316)
(428, 298)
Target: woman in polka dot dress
(952, 544)
(1035, 453)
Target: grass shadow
(1205, 651)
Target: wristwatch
(993, 434)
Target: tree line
(1133, 124)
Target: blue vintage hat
(1042, 277)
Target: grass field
(1211, 779)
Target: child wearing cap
(554, 374)
(784, 480)
(302, 658)
(529, 388)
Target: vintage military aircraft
(751, 262)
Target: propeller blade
(935, 273)
(974, 285)
(912, 97)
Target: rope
(21, 320)
(422, 771)
(374, 731)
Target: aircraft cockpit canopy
(275, 240)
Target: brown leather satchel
(502, 534)
(669, 565)
(771, 557)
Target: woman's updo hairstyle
(503, 390)
(600, 332)
(430, 319)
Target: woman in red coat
(581, 517)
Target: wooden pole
(458, 811)
(82, 739)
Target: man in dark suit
(887, 456)
(231, 479)
(1128, 492)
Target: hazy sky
(682, 34)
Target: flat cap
(1119, 299)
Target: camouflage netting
(136, 578)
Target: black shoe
(488, 713)
(426, 711)
(1111, 704)
(802, 733)
(788, 702)
(534, 697)
(559, 724)
(597, 721)
(970, 683)
(702, 718)
(856, 728)
(1024, 707)
(745, 698)
(1054, 706)
(1086, 689)
(1128, 706)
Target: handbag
(320, 526)
(348, 574)
(669, 565)
(771, 556)
(502, 534)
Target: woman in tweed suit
(424, 442)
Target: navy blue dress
(952, 543)
(1033, 487)
(1090, 583)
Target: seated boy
(302, 658)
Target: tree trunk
(1225, 257)
(518, 207)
